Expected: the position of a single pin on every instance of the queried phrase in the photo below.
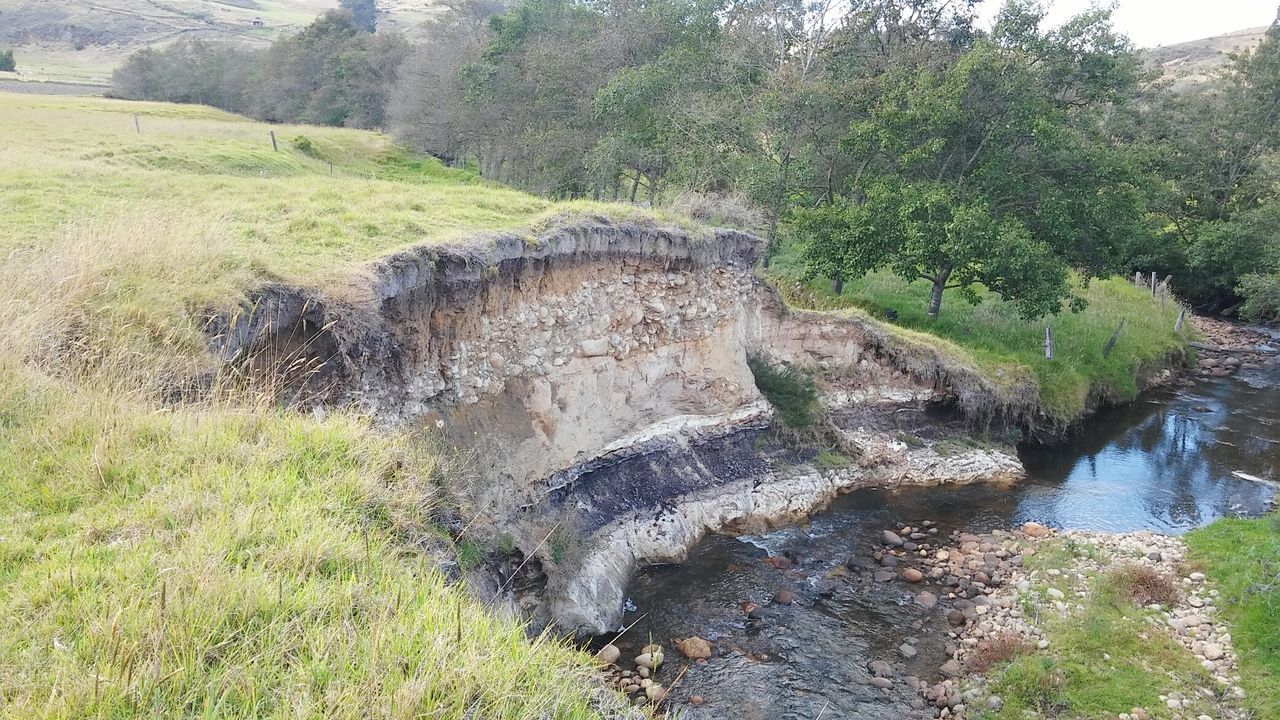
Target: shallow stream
(1166, 462)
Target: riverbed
(1176, 459)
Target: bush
(304, 145)
(7, 63)
(729, 210)
(1141, 585)
(791, 392)
(1261, 295)
(995, 651)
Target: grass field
(225, 559)
(993, 337)
(142, 231)
(1243, 558)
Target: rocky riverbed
(987, 598)
(1228, 347)
(1000, 604)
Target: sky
(1150, 23)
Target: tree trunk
(935, 299)
(837, 286)
(635, 185)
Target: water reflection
(1164, 463)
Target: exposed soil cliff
(598, 374)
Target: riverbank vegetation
(1104, 649)
(994, 338)
(1243, 558)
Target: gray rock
(891, 538)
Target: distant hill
(1191, 64)
(81, 41)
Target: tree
(364, 12)
(991, 169)
(7, 63)
(1216, 149)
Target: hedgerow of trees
(871, 134)
(333, 72)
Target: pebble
(694, 648)
(608, 654)
(912, 575)
(880, 668)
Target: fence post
(277, 149)
(1048, 342)
(1153, 278)
(1177, 325)
(1111, 344)
(136, 125)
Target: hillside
(221, 558)
(1191, 64)
(81, 42)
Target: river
(1167, 462)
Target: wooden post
(1111, 344)
(1048, 342)
(1137, 279)
(277, 149)
(1153, 274)
(1177, 325)
(136, 125)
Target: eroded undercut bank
(597, 376)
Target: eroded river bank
(799, 620)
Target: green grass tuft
(792, 392)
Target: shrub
(731, 210)
(995, 651)
(1141, 585)
(1261, 295)
(303, 144)
(791, 391)
(7, 63)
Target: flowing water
(1164, 463)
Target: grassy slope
(147, 230)
(219, 560)
(1243, 558)
(993, 337)
(220, 563)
